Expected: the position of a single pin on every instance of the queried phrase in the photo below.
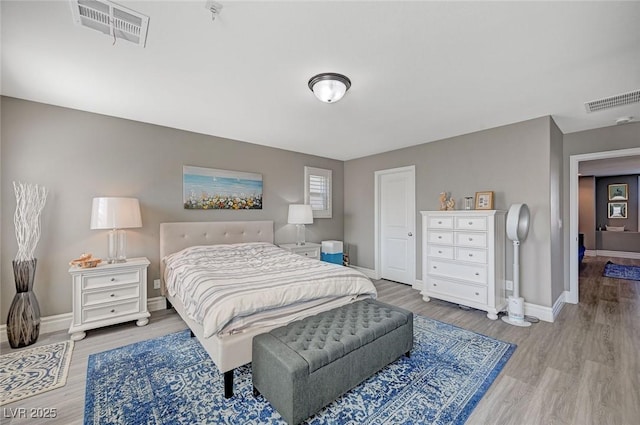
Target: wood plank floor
(583, 369)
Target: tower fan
(517, 229)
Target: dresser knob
(435, 284)
(112, 295)
(477, 293)
(113, 310)
(477, 274)
(439, 237)
(439, 252)
(470, 239)
(439, 222)
(435, 267)
(470, 223)
(113, 279)
(470, 255)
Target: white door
(396, 218)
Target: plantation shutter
(318, 191)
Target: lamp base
(300, 234)
(117, 246)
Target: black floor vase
(23, 322)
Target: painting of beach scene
(212, 189)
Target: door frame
(574, 162)
(377, 230)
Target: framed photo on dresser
(484, 200)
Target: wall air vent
(111, 19)
(613, 101)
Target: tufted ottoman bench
(307, 364)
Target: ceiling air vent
(613, 101)
(111, 19)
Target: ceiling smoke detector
(613, 101)
(623, 120)
(111, 19)
(214, 8)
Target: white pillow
(615, 228)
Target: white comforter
(230, 284)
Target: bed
(229, 346)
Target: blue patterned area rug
(619, 271)
(32, 371)
(172, 380)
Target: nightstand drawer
(308, 252)
(107, 312)
(476, 294)
(113, 278)
(441, 237)
(476, 240)
(471, 223)
(457, 270)
(116, 294)
(440, 251)
(472, 255)
(441, 222)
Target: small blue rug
(619, 271)
(172, 380)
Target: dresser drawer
(472, 255)
(477, 294)
(470, 272)
(477, 240)
(116, 294)
(111, 311)
(440, 251)
(114, 278)
(440, 222)
(471, 223)
(441, 237)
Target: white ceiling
(421, 71)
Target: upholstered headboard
(178, 236)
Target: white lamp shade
(329, 91)
(300, 214)
(115, 213)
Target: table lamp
(116, 214)
(300, 214)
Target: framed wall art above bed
(213, 189)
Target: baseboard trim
(547, 314)
(619, 254)
(370, 273)
(590, 253)
(417, 285)
(61, 322)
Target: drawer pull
(435, 284)
(470, 223)
(477, 293)
(439, 222)
(113, 310)
(112, 295)
(439, 252)
(435, 267)
(113, 279)
(439, 237)
(470, 255)
(470, 239)
(477, 274)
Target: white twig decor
(30, 200)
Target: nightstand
(309, 249)
(109, 294)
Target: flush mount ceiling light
(329, 87)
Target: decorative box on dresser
(108, 294)
(463, 258)
(309, 249)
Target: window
(317, 191)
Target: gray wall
(514, 161)
(78, 155)
(599, 140)
(587, 210)
(556, 224)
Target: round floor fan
(517, 229)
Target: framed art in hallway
(484, 200)
(213, 189)
(617, 210)
(618, 192)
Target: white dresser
(109, 294)
(463, 256)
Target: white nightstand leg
(77, 336)
(142, 322)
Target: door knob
(410, 234)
